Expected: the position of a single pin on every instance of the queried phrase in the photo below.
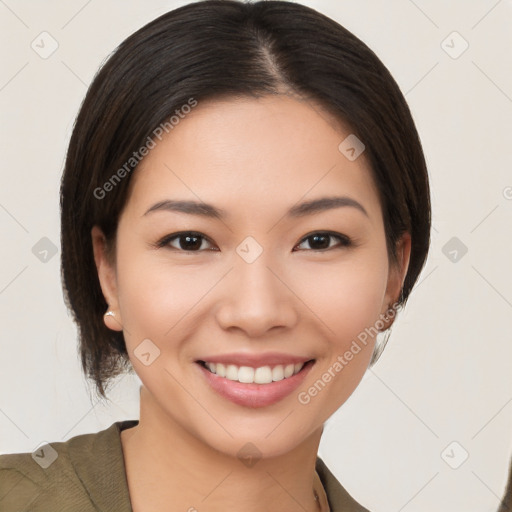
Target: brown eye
(187, 241)
(321, 240)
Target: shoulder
(62, 475)
(339, 498)
(31, 479)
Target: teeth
(288, 370)
(278, 373)
(262, 375)
(249, 375)
(219, 369)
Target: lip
(255, 395)
(255, 360)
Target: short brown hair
(227, 48)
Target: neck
(166, 464)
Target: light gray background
(446, 374)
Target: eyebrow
(300, 210)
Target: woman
(245, 205)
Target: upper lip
(256, 360)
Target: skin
(254, 158)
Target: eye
(192, 241)
(319, 241)
(188, 241)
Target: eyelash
(345, 241)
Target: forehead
(252, 155)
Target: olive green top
(87, 473)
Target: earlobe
(396, 279)
(107, 278)
(111, 321)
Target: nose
(255, 298)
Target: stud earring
(113, 324)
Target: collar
(107, 485)
(106, 482)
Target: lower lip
(255, 395)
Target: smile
(248, 374)
(242, 384)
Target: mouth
(254, 375)
(254, 386)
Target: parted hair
(218, 49)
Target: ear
(107, 277)
(396, 279)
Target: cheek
(346, 297)
(154, 299)
(152, 295)
(347, 303)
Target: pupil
(322, 246)
(187, 245)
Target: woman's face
(253, 280)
